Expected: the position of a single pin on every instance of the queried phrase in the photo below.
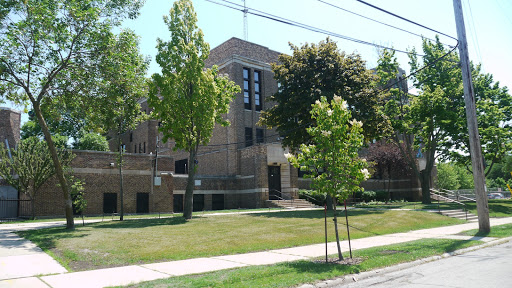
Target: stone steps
(296, 203)
(459, 214)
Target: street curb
(351, 278)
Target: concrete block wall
(94, 169)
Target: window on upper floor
(248, 136)
(257, 91)
(180, 166)
(247, 89)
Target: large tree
(494, 115)
(29, 166)
(48, 49)
(315, 70)
(332, 157)
(388, 162)
(123, 83)
(187, 98)
(423, 123)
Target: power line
(405, 19)
(473, 30)
(269, 16)
(377, 21)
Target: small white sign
(197, 182)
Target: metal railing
(12, 209)
(437, 194)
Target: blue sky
(488, 26)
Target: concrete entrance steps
(459, 214)
(295, 203)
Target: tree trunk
(59, 171)
(121, 192)
(189, 191)
(425, 186)
(340, 256)
(328, 202)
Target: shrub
(312, 196)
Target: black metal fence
(12, 209)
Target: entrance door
(142, 203)
(274, 182)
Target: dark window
(135, 149)
(144, 147)
(257, 90)
(131, 137)
(140, 148)
(142, 203)
(180, 166)
(177, 203)
(302, 173)
(217, 201)
(247, 89)
(259, 136)
(248, 137)
(198, 202)
(109, 202)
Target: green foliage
(427, 121)
(187, 98)
(50, 53)
(77, 194)
(313, 196)
(465, 178)
(91, 141)
(321, 70)
(123, 83)
(332, 159)
(447, 177)
(494, 115)
(29, 166)
(31, 129)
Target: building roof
(241, 48)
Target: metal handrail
(433, 192)
(457, 195)
(309, 197)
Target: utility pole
(474, 138)
(246, 32)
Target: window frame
(258, 98)
(247, 91)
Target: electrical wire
(386, 87)
(473, 30)
(377, 21)
(269, 16)
(405, 19)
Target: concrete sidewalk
(34, 265)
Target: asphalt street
(489, 267)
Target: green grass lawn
(497, 207)
(78, 219)
(115, 243)
(295, 273)
(500, 231)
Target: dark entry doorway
(109, 202)
(178, 203)
(274, 182)
(142, 202)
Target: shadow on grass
(139, 223)
(46, 238)
(315, 214)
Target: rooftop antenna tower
(246, 33)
